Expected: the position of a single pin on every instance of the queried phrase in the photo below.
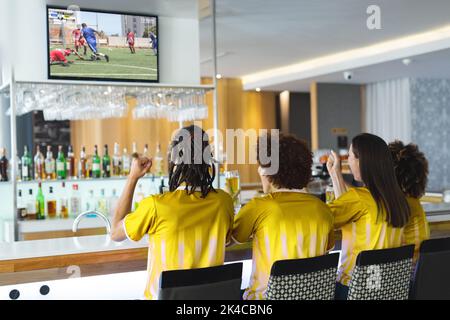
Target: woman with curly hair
(287, 223)
(411, 170)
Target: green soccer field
(122, 65)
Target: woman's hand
(333, 163)
(139, 167)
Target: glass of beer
(329, 194)
(233, 187)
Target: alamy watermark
(240, 146)
(373, 21)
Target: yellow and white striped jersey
(356, 214)
(282, 225)
(185, 231)
(417, 230)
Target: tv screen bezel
(50, 77)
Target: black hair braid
(194, 175)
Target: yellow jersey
(185, 231)
(417, 228)
(356, 214)
(282, 225)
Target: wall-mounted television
(102, 45)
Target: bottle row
(46, 203)
(64, 165)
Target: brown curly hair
(295, 161)
(411, 168)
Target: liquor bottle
(64, 206)
(91, 204)
(117, 161)
(26, 165)
(126, 162)
(139, 196)
(96, 171)
(70, 163)
(31, 206)
(61, 165)
(18, 167)
(145, 154)
(158, 161)
(21, 207)
(102, 203)
(82, 168)
(75, 201)
(134, 148)
(39, 160)
(106, 163)
(4, 164)
(51, 204)
(112, 203)
(162, 187)
(50, 164)
(40, 203)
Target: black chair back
(303, 279)
(432, 273)
(382, 274)
(213, 283)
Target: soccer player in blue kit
(89, 34)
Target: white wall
(178, 43)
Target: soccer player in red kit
(79, 40)
(58, 56)
(76, 35)
(82, 42)
(130, 40)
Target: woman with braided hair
(188, 226)
(411, 170)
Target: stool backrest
(213, 283)
(303, 279)
(382, 274)
(432, 272)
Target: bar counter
(50, 259)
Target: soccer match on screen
(88, 44)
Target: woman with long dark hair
(372, 216)
(411, 170)
(189, 225)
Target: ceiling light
(258, 89)
(407, 61)
(218, 76)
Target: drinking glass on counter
(233, 187)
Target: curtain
(388, 110)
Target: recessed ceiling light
(258, 89)
(407, 61)
(218, 76)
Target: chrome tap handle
(97, 213)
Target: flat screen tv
(102, 45)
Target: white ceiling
(256, 35)
(431, 65)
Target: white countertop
(64, 246)
(58, 224)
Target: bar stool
(213, 283)
(382, 274)
(303, 279)
(432, 272)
